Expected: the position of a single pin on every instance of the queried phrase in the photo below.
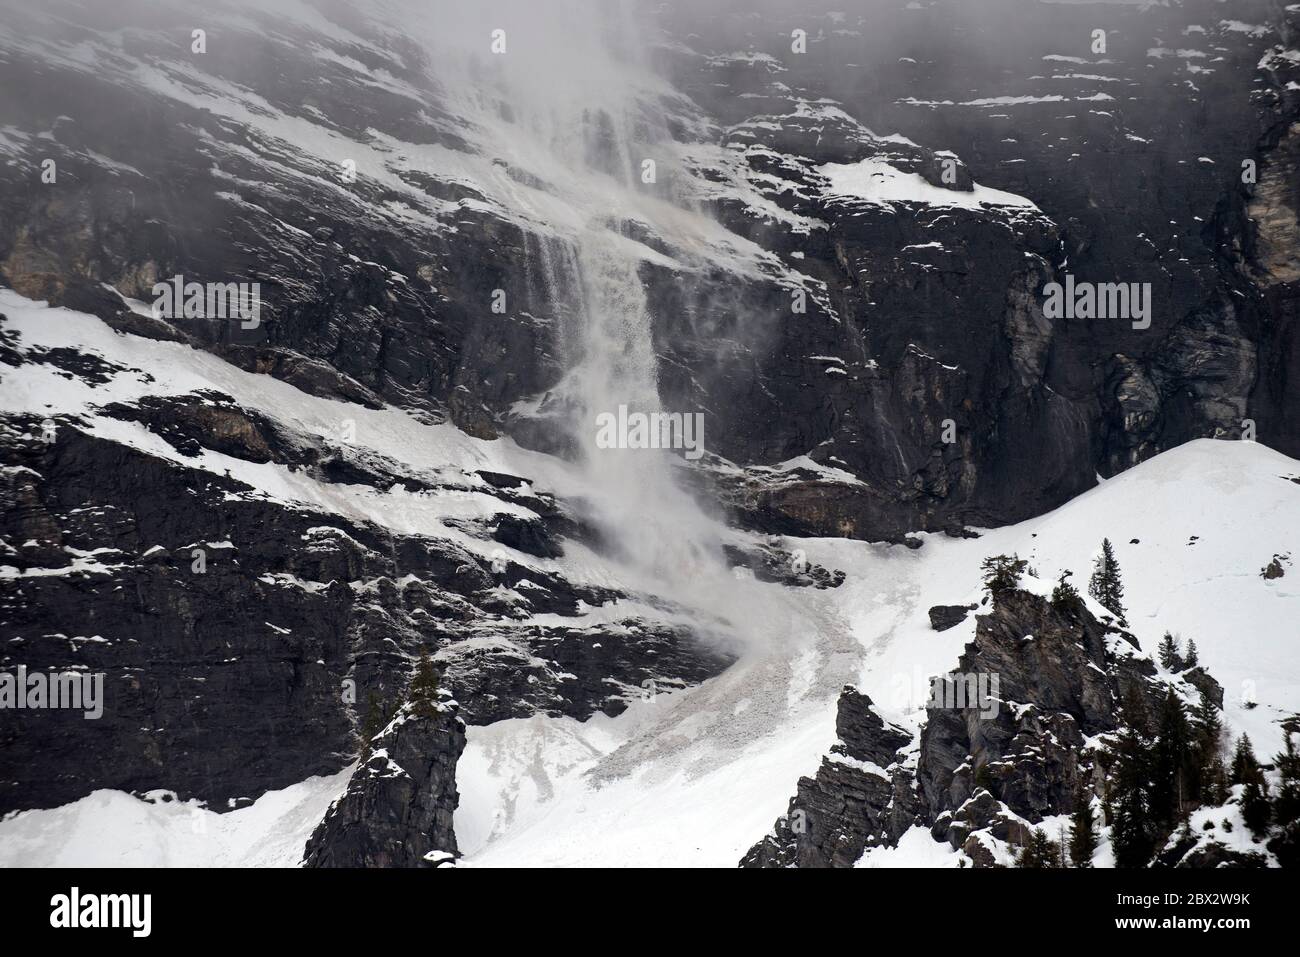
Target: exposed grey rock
(253, 673)
(527, 535)
(987, 767)
(1200, 679)
(398, 807)
(1061, 675)
(769, 563)
(908, 335)
(943, 617)
(860, 796)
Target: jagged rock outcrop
(770, 563)
(1201, 680)
(943, 617)
(1044, 677)
(1038, 679)
(1002, 747)
(398, 807)
(861, 794)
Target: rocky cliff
(1010, 737)
(918, 309)
(397, 810)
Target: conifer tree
(1065, 597)
(1286, 806)
(1245, 767)
(1132, 843)
(1256, 811)
(1209, 728)
(1040, 852)
(1173, 763)
(1133, 711)
(1207, 741)
(1217, 784)
(1130, 834)
(1193, 659)
(1083, 832)
(423, 691)
(1002, 573)
(1170, 659)
(1105, 584)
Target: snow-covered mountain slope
(696, 776)
(1207, 517)
(115, 829)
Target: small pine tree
(1193, 659)
(423, 691)
(1173, 763)
(1207, 742)
(1286, 806)
(1065, 597)
(1209, 727)
(1130, 834)
(1255, 809)
(1133, 844)
(1245, 767)
(1216, 786)
(1170, 659)
(1106, 585)
(1002, 573)
(1041, 852)
(1133, 711)
(1083, 832)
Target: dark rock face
(917, 314)
(1201, 680)
(511, 672)
(860, 795)
(1060, 676)
(397, 810)
(527, 535)
(239, 636)
(770, 563)
(943, 617)
(1135, 157)
(1002, 746)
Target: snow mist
(589, 127)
